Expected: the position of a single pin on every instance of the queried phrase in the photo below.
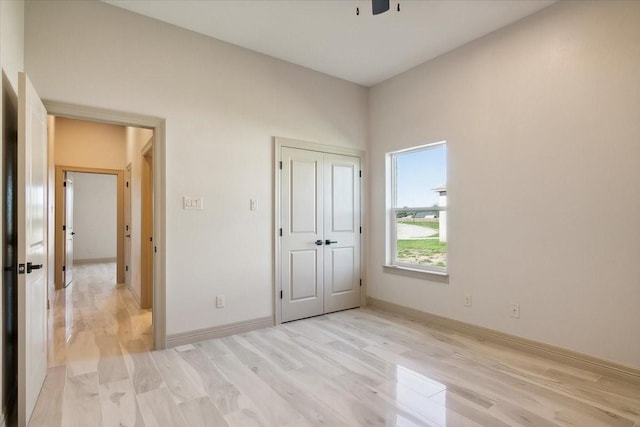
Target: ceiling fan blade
(379, 6)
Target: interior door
(341, 232)
(127, 225)
(320, 247)
(32, 247)
(147, 245)
(302, 234)
(69, 233)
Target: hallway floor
(352, 368)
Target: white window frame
(392, 210)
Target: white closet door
(341, 232)
(302, 224)
(320, 247)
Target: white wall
(137, 138)
(12, 39)
(94, 216)
(222, 105)
(543, 138)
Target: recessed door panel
(303, 184)
(342, 273)
(304, 267)
(342, 204)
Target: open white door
(68, 227)
(32, 248)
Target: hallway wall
(94, 216)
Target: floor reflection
(91, 306)
(414, 391)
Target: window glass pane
(418, 174)
(419, 210)
(420, 238)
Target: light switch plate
(193, 203)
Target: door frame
(279, 143)
(60, 213)
(158, 125)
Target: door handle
(319, 242)
(73, 233)
(31, 267)
(328, 242)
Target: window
(418, 216)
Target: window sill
(416, 273)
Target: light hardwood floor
(352, 368)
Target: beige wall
(89, 144)
(543, 138)
(137, 138)
(223, 105)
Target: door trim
(279, 143)
(158, 125)
(60, 207)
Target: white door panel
(320, 246)
(69, 233)
(304, 277)
(342, 231)
(301, 210)
(32, 248)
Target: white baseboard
(194, 336)
(93, 260)
(558, 354)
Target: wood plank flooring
(352, 368)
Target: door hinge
(155, 249)
(360, 230)
(64, 228)
(281, 294)
(151, 239)
(126, 268)
(280, 165)
(281, 232)
(64, 184)
(127, 184)
(360, 282)
(360, 174)
(64, 268)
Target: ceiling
(327, 36)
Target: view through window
(418, 211)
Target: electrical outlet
(467, 300)
(515, 310)
(220, 301)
